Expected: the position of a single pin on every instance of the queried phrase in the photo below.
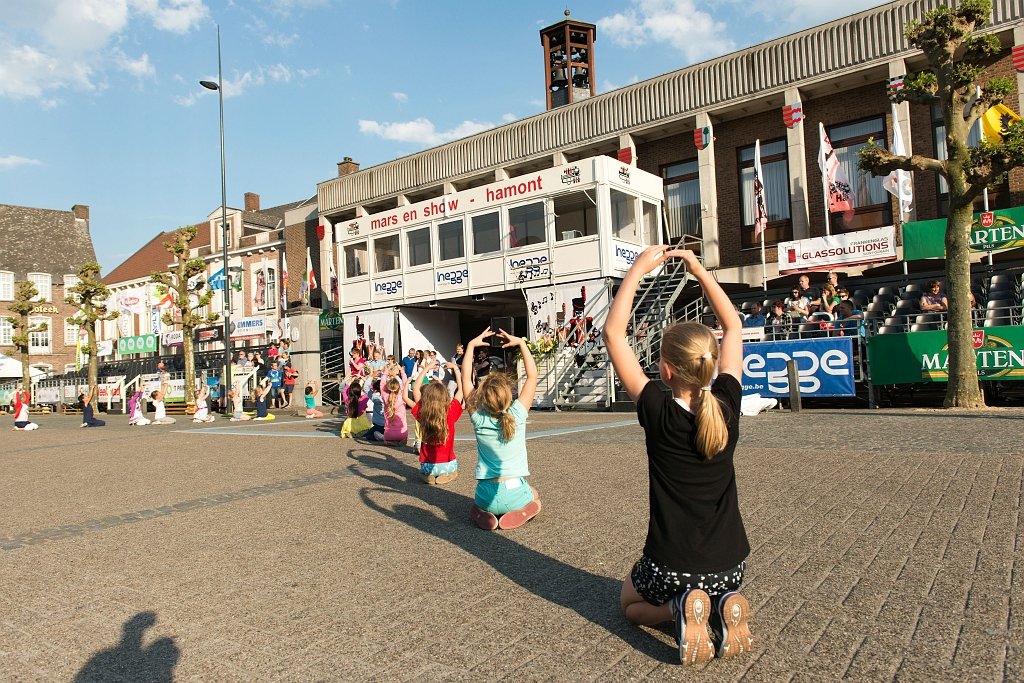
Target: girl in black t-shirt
(693, 559)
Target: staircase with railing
(653, 311)
(332, 374)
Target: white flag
(899, 184)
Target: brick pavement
(887, 545)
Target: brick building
(256, 248)
(837, 72)
(47, 247)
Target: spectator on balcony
(933, 301)
(850, 321)
(812, 295)
(830, 296)
(756, 317)
(777, 323)
(797, 305)
(242, 361)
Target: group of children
(694, 557)
(377, 406)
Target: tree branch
(882, 162)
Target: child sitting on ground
(136, 416)
(437, 411)
(310, 399)
(503, 497)
(86, 400)
(21, 401)
(237, 409)
(260, 399)
(355, 408)
(694, 557)
(202, 407)
(396, 426)
(377, 419)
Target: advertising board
(924, 356)
(824, 367)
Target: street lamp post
(219, 87)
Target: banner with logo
(145, 343)
(924, 356)
(570, 311)
(104, 348)
(175, 388)
(824, 367)
(990, 231)
(208, 334)
(245, 328)
(176, 338)
(822, 253)
(330, 319)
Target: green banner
(146, 343)
(924, 356)
(990, 231)
(330, 319)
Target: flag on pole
(78, 351)
(216, 281)
(334, 277)
(835, 181)
(760, 206)
(899, 184)
(308, 276)
(997, 121)
(284, 282)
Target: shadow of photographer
(129, 660)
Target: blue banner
(824, 367)
(216, 281)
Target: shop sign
(208, 334)
(44, 308)
(330, 319)
(824, 367)
(990, 231)
(623, 255)
(820, 253)
(176, 338)
(244, 328)
(924, 356)
(145, 343)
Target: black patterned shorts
(658, 584)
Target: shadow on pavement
(128, 660)
(593, 597)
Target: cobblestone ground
(887, 545)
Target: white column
(898, 67)
(796, 154)
(558, 159)
(711, 250)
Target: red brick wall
(61, 353)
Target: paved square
(887, 545)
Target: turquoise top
(310, 401)
(494, 457)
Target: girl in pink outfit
(396, 426)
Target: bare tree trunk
(26, 374)
(963, 389)
(94, 362)
(190, 368)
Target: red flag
(834, 177)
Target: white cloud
(12, 161)
(694, 33)
(421, 131)
(66, 44)
(400, 97)
(508, 117)
(279, 72)
(280, 39)
(307, 73)
(140, 68)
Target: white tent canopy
(10, 368)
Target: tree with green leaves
(90, 296)
(25, 294)
(957, 61)
(188, 301)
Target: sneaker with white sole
(733, 619)
(691, 611)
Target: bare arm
(459, 390)
(529, 390)
(730, 352)
(417, 381)
(467, 365)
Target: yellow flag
(996, 121)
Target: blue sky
(100, 102)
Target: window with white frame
(6, 285)
(6, 332)
(998, 196)
(526, 225)
(39, 335)
(450, 241)
(623, 208)
(575, 216)
(419, 246)
(71, 333)
(871, 202)
(682, 198)
(387, 253)
(69, 282)
(264, 288)
(42, 282)
(355, 259)
(486, 233)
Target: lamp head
(209, 85)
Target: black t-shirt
(695, 523)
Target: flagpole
(984, 193)
(764, 266)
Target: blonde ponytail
(691, 350)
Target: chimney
(347, 167)
(252, 201)
(81, 211)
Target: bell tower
(569, 61)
